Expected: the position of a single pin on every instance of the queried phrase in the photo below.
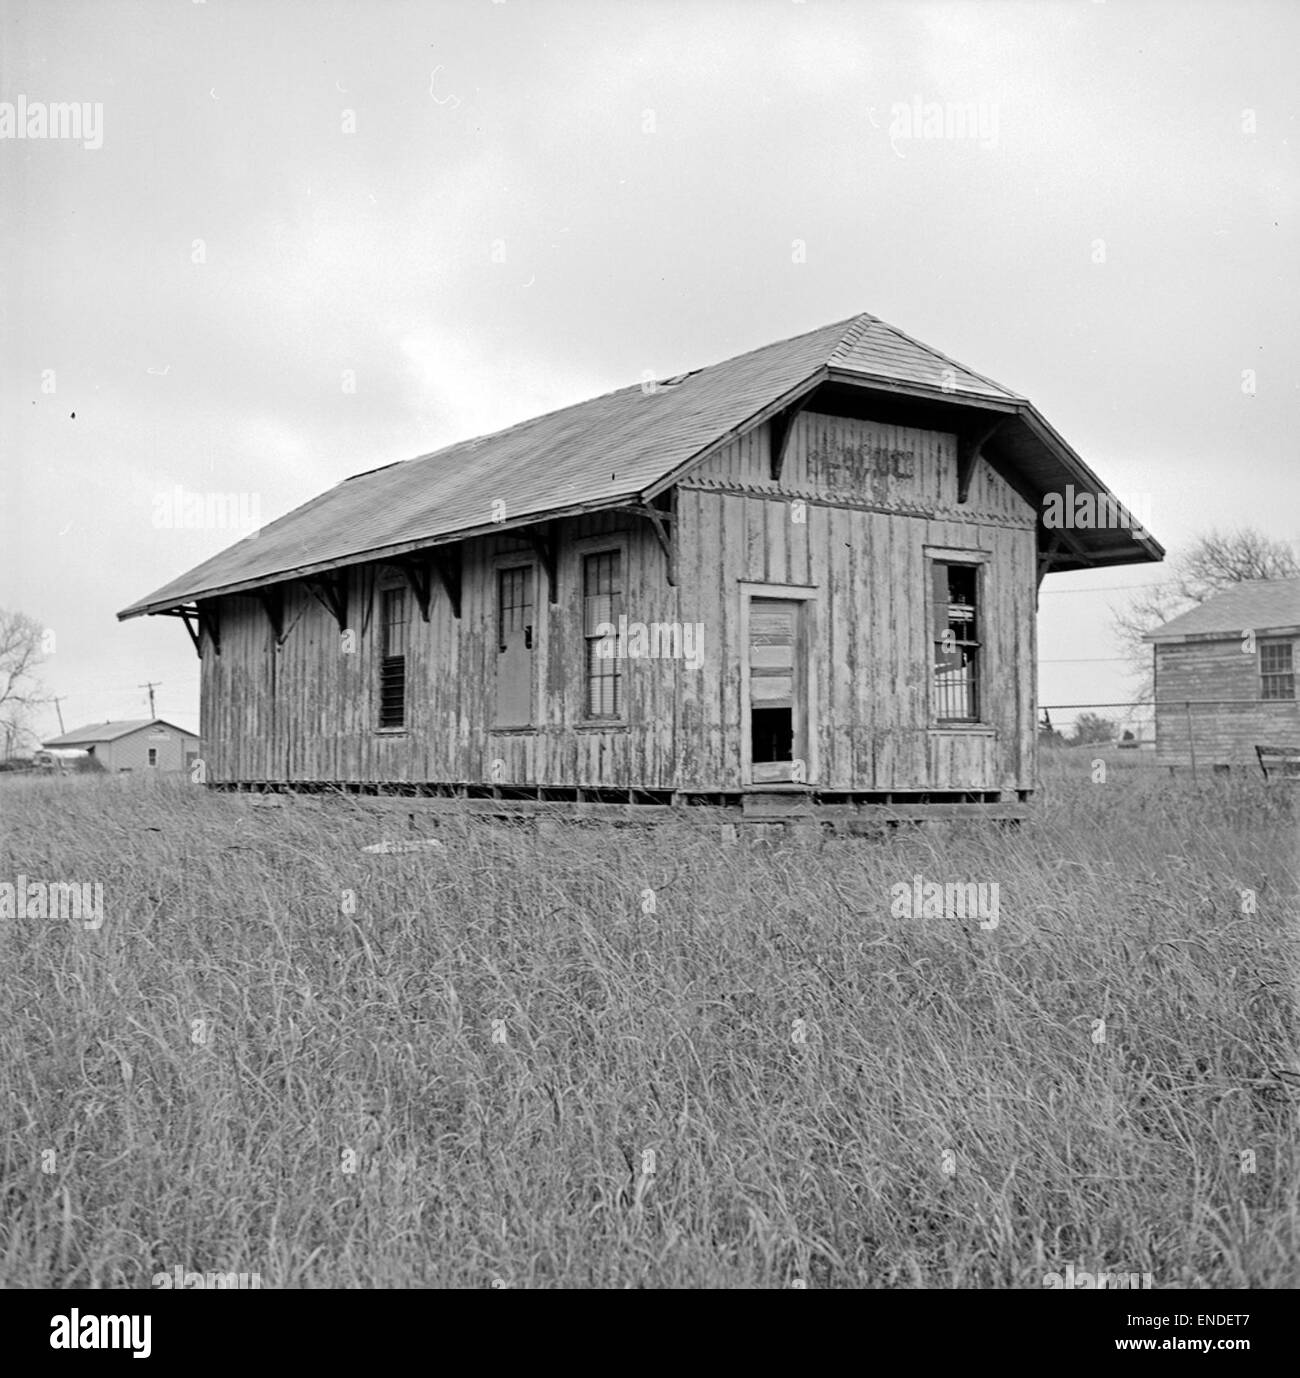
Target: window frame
(391, 588)
(599, 550)
(1285, 677)
(977, 561)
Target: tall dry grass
(208, 1066)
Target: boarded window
(774, 687)
(392, 661)
(1276, 670)
(602, 605)
(954, 594)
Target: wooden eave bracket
(446, 564)
(272, 601)
(1047, 558)
(209, 622)
(780, 429)
(419, 578)
(331, 591)
(199, 619)
(545, 541)
(190, 617)
(970, 447)
(661, 520)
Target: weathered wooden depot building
(813, 568)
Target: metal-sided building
(138, 745)
(1225, 676)
(812, 568)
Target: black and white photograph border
(649, 645)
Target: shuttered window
(771, 653)
(954, 594)
(775, 692)
(1276, 670)
(392, 662)
(602, 603)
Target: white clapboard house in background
(139, 745)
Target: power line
(1161, 703)
(1114, 588)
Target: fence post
(1191, 740)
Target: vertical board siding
(306, 710)
(870, 572)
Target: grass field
(504, 1069)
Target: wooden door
(777, 708)
(515, 638)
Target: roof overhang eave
(1144, 548)
(924, 392)
(150, 607)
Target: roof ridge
(1237, 584)
(772, 344)
(850, 322)
(111, 728)
(956, 363)
(857, 328)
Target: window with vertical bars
(954, 594)
(1276, 670)
(392, 658)
(602, 602)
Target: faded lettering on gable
(845, 468)
(854, 459)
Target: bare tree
(1213, 562)
(21, 692)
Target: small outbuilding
(1225, 676)
(134, 744)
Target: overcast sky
(480, 211)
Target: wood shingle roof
(612, 450)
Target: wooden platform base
(799, 813)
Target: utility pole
(151, 686)
(58, 708)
